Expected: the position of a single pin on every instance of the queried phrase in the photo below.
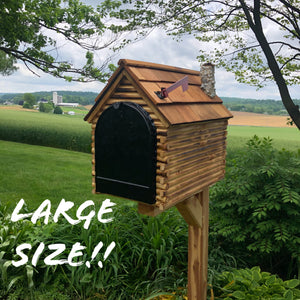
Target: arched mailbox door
(125, 153)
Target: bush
(46, 107)
(256, 208)
(150, 257)
(253, 284)
(58, 110)
(27, 105)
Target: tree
(46, 107)
(29, 100)
(30, 29)
(236, 32)
(58, 110)
(6, 64)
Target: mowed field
(251, 119)
(244, 126)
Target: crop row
(58, 131)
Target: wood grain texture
(191, 127)
(143, 79)
(197, 245)
(191, 211)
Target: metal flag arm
(164, 92)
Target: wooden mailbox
(162, 148)
(163, 151)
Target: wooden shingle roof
(193, 105)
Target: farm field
(59, 131)
(244, 125)
(71, 132)
(253, 119)
(287, 138)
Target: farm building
(154, 147)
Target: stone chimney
(207, 73)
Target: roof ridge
(150, 65)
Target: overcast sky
(157, 48)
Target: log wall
(192, 157)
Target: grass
(36, 173)
(80, 110)
(288, 138)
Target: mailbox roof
(193, 105)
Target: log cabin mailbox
(159, 138)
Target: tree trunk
(255, 25)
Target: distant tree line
(83, 98)
(270, 107)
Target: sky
(157, 48)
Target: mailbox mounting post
(195, 211)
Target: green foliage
(83, 98)
(267, 106)
(27, 105)
(257, 205)
(238, 136)
(46, 107)
(26, 35)
(225, 26)
(29, 100)
(253, 284)
(58, 110)
(233, 32)
(19, 282)
(7, 64)
(11, 234)
(150, 256)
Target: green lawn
(36, 173)
(80, 110)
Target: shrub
(58, 110)
(46, 107)
(150, 257)
(27, 105)
(256, 208)
(253, 284)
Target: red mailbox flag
(184, 82)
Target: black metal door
(125, 153)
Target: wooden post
(197, 208)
